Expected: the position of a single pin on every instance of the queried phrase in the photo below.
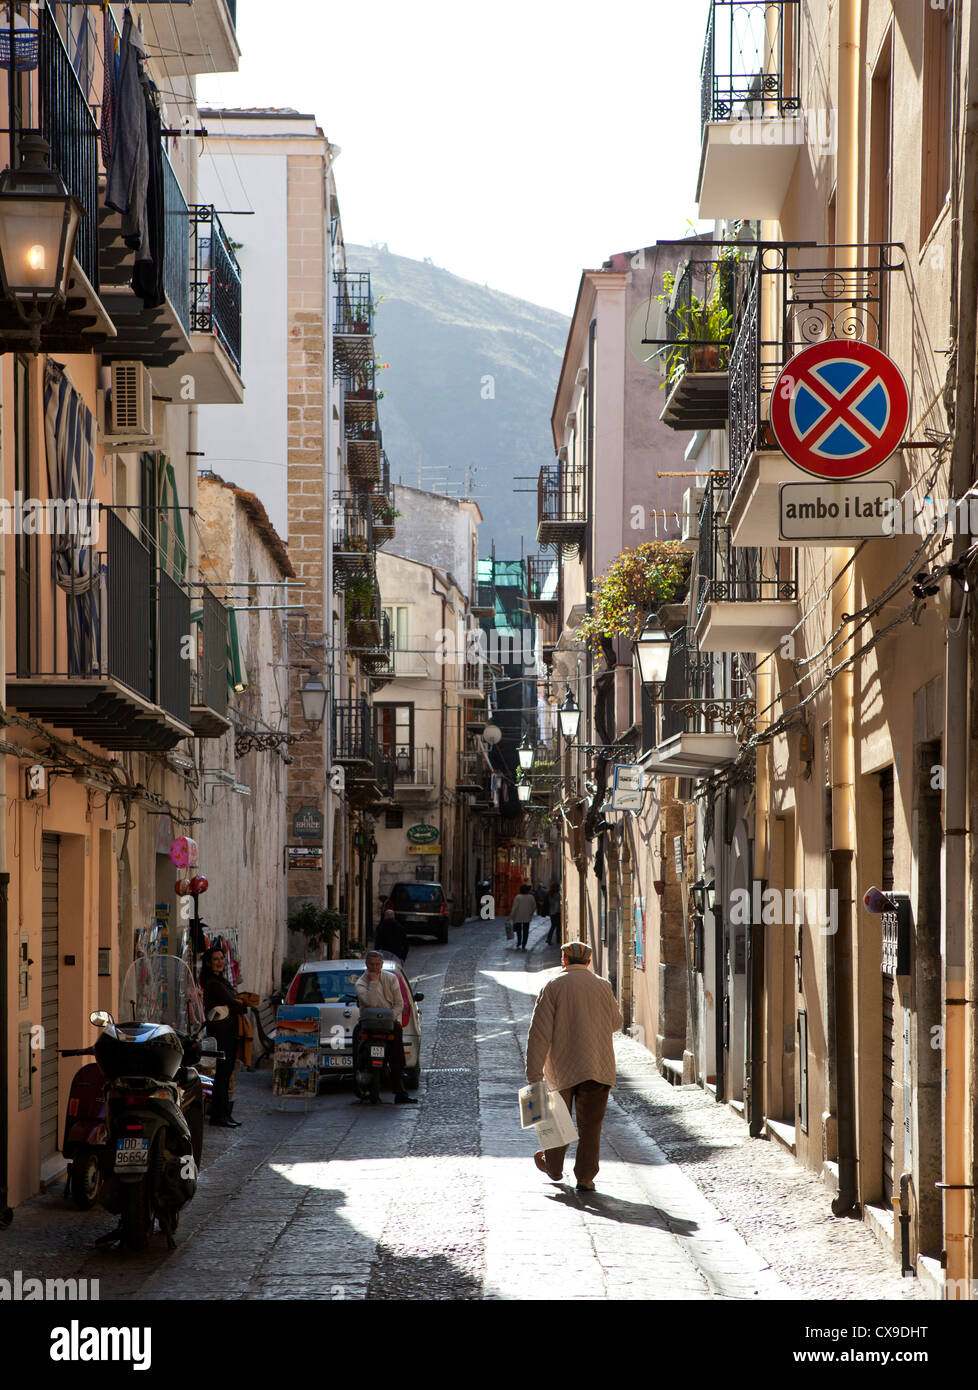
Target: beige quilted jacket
(571, 1030)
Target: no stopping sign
(839, 409)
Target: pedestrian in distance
(219, 991)
(378, 988)
(391, 935)
(570, 1045)
(553, 908)
(522, 913)
(541, 897)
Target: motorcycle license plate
(377, 1051)
(132, 1155)
(340, 1061)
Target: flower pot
(707, 358)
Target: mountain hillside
(471, 383)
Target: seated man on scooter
(378, 988)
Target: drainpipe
(843, 748)
(957, 926)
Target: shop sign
(423, 834)
(307, 823)
(424, 849)
(304, 856)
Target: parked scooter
(375, 1031)
(86, 1132)
(154, 1099)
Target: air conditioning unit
(129, 405)
(689, 530)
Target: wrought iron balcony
(353, 538)
(747, 596)
(791, 296)
(157, 336)
(561, 515)
(414, 768)
(65, 121)
(119, 675)
(484, 591)
(209, 699)
(542, 578)
(750, 107)
(353, 322)
(699, 318)
(352, 732)
(368, 633)
(360, 396)
(363, 452)
(215, 282)
(700, 723)
(471, 767)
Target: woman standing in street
(522, 913)
(219, 991)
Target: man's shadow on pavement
(631, 1213)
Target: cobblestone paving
(442, 1201)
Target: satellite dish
(492, 733)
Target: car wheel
(412, 1078)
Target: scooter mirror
(418, 998)
(100, 1018)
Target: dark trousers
(227, 1047)
(554, 928)
(394, 1055)
(586, 1102)
(522, 930)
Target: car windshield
(327, 986)
(418, 892)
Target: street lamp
(652, 649)
(526, 754)
(569, 715)
(697, 892)
(523, 788)
(711, 895)
(38, 224)
(313, 696)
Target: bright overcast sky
(513, 142)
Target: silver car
(331, 985)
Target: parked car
(331, 985)
(422, 907)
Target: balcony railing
(173, 678)
(561, 514)
(737, 574)
(792, 296)
(414, 766)
(215, 282)
(541, 580)
(118, 650)
(211, 684)
(696, 350)
(354, 544)
(363, 451)
(750, 68)
(69, 127)
(176, 259)
(352, 731)
(471, 767)
(353, 323)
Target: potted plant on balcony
(642, 579)
(362, 625)
(703, 324)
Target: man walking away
(522, 912)
(553, 907)
(570, 1044)
(391, 936)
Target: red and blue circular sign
(839, 409)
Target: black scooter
(375, 1030)
(154, 1099)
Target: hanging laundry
(127, 175)
(110, 83)
(147, 277)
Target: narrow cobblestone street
(442, 1201)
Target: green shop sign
(423, 834)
